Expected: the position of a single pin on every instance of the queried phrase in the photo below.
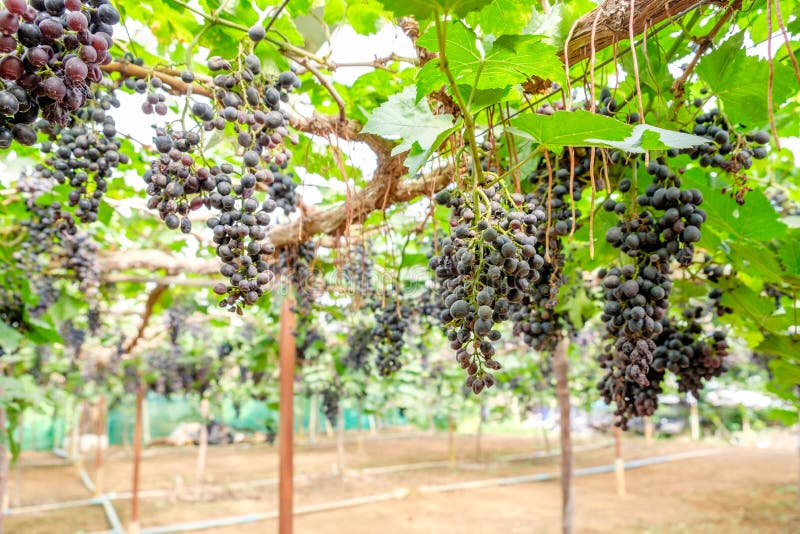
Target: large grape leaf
(582, 128)
(748, 303)
(423, 9)
(646, 137)
(756, 219)
(402, 117)
(740, 81)
(502, 17)
(509, 60)
(789, 253)
(9, 338)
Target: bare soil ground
(739, 490)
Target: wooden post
(137, 459)
(288, 349)
(648, 430)
(18, 466)
(560, 368)
(619, 463)
(694, 420)
(746, 422)
(479, 433)
(202, 449)
(313, 412)
(298, 418)
(100, 431)
(75, 434)
(373, 425)
(3, 467)
(359, 433)
(451, 441)
(545, 437)
(54, 427)
(328, 427)
(146, 438)
(340, 466)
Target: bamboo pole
(100, 431)
(451, 441)
(340, 465)
(3, 467)
(133, 528)
(359, 433)
(373, 425)
(694, 421)
(560, 368)
(202, 449)
(479, 433)
(288, 349)
(313, 412)
(18, 466)
(298, 419)
(75, 432)
(619, 463)
(648, 430)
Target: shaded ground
(741, 489)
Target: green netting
(44, 429)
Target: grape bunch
(79, 255)
(360, 343)
(162, 373)
(535, 319)
(52, 53)
(726, 149)
(488, 263)
(655, 237)
(331, 397)
(391, 323)
(247, 100)
(636, 302)
(84, 154)
(310, 339)
(283, 190)
(73, 338)
(684, 349)
(356, 274)
(662, 226)
(52, 235)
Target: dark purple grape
(29, 35)
(9, 23)
(11, 68)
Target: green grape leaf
(582, 128)
(402, 117)
(501, 17)
(754, 259)
(10, 339)
(365, 16)
(739, 81)
(646, 137)
(424, 9)
(507, 61)
(783, 416)
(789, 253)
(748, 303)
(756, 219)
(418, 155)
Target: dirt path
(738, 490)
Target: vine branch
(152, 298)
